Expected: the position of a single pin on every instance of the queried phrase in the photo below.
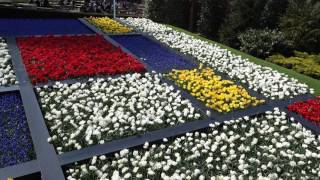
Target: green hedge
(175, 12)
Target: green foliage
(317, 59)
(244, 14)
(212, 16)
(301, 62)
(272, 12)
(146, 11)
(262, 42)
(175, 12)
(156, 10)
(301, 24)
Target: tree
(212, 15)
(244, 14)
(156, 10)
(301, 24)
(272, 12)
(174, 12)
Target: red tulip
(59, 58)
(309, 109)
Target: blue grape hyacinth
(15, 140)
(30, 27)
(156, 56)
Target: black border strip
(305, 123)
(46, 155)
(19, 170)
(4, 89)
(133, 141)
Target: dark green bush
(272, 12)
(301, 62)
(212, 15)
(244, 14)
(262, 42)
(301, 24)
(174, 12)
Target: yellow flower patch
(217, 94)
(108, 25)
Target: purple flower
(159, 58)
(15, 141)
(24, 27)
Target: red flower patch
(59, 58)
(310, 109)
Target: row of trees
(259, 27)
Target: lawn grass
(311, 82)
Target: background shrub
(212, 16)
(244, 14)
(174, 12)
(301, 24)
(262, 43)
(301, 62)
(272, 12)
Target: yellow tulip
(108, 25)
(220, 95)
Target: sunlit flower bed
(80, 115)
(309, 109)
(217, 94)
(108, 25)
(15, 140)
(270, 146)
(272, 84)
(60, 58)
(7, 76)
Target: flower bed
(80, 115)
(310, 109)
(270, 83)
(15, 141)
(7, 76)
(217, 94)
(108, 25)
(28, 27)
(60, 58)
(153, 54)
(270, 146)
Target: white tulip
(262, 79)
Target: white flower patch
(7, 76)
(270, 83)
(80, 115)
(269, 146)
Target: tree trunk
(191, 14)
